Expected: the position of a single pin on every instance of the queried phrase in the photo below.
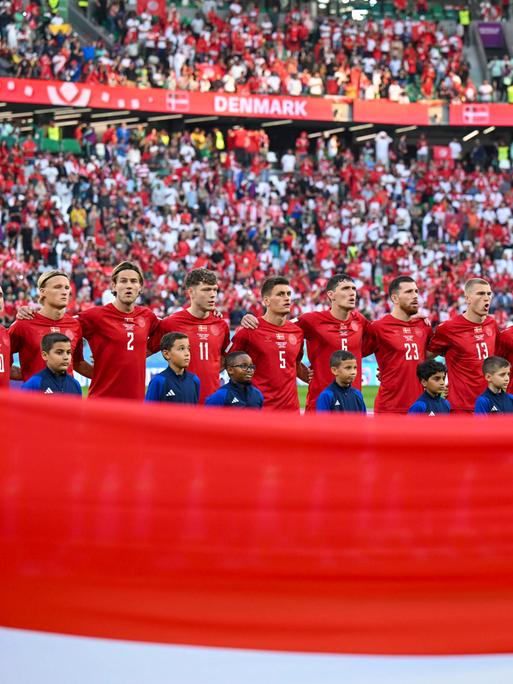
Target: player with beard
(208, 334)
(399, 340)
(341, 327)
(466, 341)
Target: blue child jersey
(337, 398)
(177, 389)
(237, 395)
(431, 406)
(48, 382)
(489, 402)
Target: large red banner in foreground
(242, 529)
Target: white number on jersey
(412, 351)
(130, 341)
(343, 343)
(203, 351)
(2, 367)
(482, 350)
(283, 361)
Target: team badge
(292, 339)
(355, 326)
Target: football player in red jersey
(276, 347)
(341, 327)
(208, 334)
(30, 327)
(5, 354)
(399, 340)
(118, 336)
(466, 341)
(505, 349)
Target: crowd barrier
(256, 530)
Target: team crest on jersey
(479, 329)
(280, 336)
(407, 331)
(489, 332)
(55, 329)
(215, 329)
(202, 328)
(292, 339)
(418, 332)
(141, 322)
(129, 320)
(355, 326)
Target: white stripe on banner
(38, 658)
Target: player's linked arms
(249, 322)
(25, 313)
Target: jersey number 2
(130, 341)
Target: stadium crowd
(398, 58)
(203, 199)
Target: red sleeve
(15, 337)
(369, 340)
(302, 322)
(85, 319)
(301, 351)
(226, 340)
(156, 333)
(504, 344)
(439, 342)
(240, 341)
(154, 323)
(78, 354)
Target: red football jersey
(275, 351)
(505, 349)
(5, 358)
(26, 339)
(465, 345)
(118, 344)
(399, 347)
(325, 334)
(208, 338)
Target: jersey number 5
(130, 341)
(411, 351)
(283, 360)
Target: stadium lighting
(405, 129)
(66, 115)
(104, 114)
(277, 123)
(200, 119)
(331, 131)
(164, 117)
(361, 127)
(361, 138)
(470, 135)
(490, 129)
(21, 115)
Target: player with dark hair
(118, 334)
(432, 376)
(27, 331)
(276, 346)
(54, 378)
(176, 384)
(466, 341)
(340, 395)
(238, 392)
(495, 399)
(208, 334)
(5, 350)
(399, 341)
(339, 327)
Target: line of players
(122, 334)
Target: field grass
(369, 394)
